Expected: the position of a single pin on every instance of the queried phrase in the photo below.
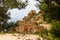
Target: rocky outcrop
(32, 23)
(26, 27)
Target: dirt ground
(15, 36)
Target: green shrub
(44, 32)
(55, 30)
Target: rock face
(32, 23)
(31, 14)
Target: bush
(44, 32)
(55, 30)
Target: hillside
(32, 23)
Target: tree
(50, 10)
(4, 6)
(3, 18)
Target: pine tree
(4, 6)
(51, 13)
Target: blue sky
(17, 14)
